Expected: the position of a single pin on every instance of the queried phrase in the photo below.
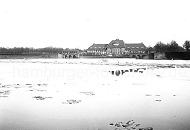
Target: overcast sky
(80, 23)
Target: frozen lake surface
(88, 94)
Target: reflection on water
(129, 125)
(58, 96)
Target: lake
(94, 94)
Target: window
(116, 44)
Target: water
(82, 94)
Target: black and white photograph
(94, 65)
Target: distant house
(117, 48)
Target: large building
(117, 48)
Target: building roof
(135, 46)
(97, 47)
(117, 44)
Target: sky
(80, 23)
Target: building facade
(135, 48)
(117, 48)
(97, 49)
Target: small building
(69, 53)
(160, 56)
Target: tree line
(159, 47)
(26, 50)
(170, 47)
